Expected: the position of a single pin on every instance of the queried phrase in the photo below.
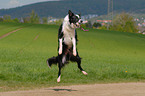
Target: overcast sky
(15, 3)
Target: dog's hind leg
(78, 60)
(59, 75)
(79, 65)
(59, 72)
(60, 65)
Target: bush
(96, 25)
(1, 19)
(104, 27)
(16, 20)
(125, 23)
(89, 25)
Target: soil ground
(116, 89)
(5, 35)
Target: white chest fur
(69, 33)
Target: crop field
(107, 56)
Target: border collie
(67, 41)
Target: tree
(37, 19)
(26, 20)
(7, 18)
(45, 20)
(125, 23)
(34, 18)
(16, 20)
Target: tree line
(32, 18)
(122, 22)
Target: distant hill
(60, 8)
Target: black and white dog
(67, 38)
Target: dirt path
(36, 37)
(120, 89)
(5, 35)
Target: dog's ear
(70, 13)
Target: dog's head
(74, 20)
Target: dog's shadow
(69, 90)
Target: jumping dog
(67, 43)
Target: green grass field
(108, 56)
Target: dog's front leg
(74, 46)
(60, 46)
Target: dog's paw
(85, 73)
(60, 51)
(74, 53)
(49, 65)
(58, 79)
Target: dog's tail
(52, 60)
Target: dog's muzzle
(78, 24)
